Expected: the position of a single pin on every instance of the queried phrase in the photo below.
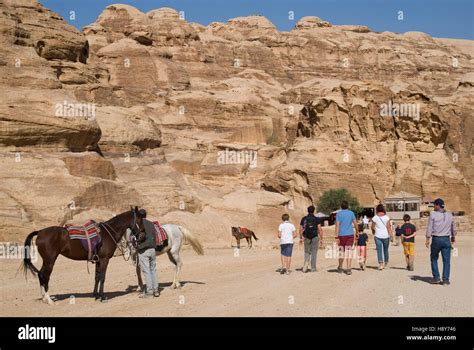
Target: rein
(119, 246)
(106, 226)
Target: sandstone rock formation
(175, 102)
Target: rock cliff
(227, 124)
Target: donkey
(242, 232)
(177, 235)
(54, 240)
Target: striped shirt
(441, 223)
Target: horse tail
(192, 239)
(253, 234)
(27, 265)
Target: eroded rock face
(374, 154)
(227, 124)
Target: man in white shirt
(286, 234)
(365, 221)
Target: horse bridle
(132, 228)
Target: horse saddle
(244, 231)
(160, 234)
(89, 236)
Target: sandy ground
(222, 284)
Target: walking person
(408, 241)
(147, 258)
(286, 234)
(440, 234)
(310, 229)
(398, 233)
(365, 222)
(382, 229)
(361, 239)
(346, 224)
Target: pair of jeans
(147, 260)
(382, 249)
(311, 251)
(441, 244)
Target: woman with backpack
(310, 229)
(382, 229)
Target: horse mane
(117, 218)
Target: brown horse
(54, 240)
(242, 232)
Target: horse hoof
(48, 301)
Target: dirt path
(221, 284)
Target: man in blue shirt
(346, 224)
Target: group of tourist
(349, 234)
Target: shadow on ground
(110, 295)
(425, 279)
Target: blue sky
(439, 18)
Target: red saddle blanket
(89, 229)
(160, 234)
(88, 234)
(244, 231)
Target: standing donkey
(241, 233)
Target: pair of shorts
(409, 248)
(286, 249)
(346, 241)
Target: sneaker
(287, 272)
(363, 267)
(145, 295)
(435, 281)
(385, 265)
(156, 293)
(305, 268)
(314, 270)
(282, 271)
(349, 272)
(340, 270)
(380, 267)
(446, 283)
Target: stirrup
(94, 259)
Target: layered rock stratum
(169, 98)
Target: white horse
(177, 235)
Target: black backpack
(310, 227)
